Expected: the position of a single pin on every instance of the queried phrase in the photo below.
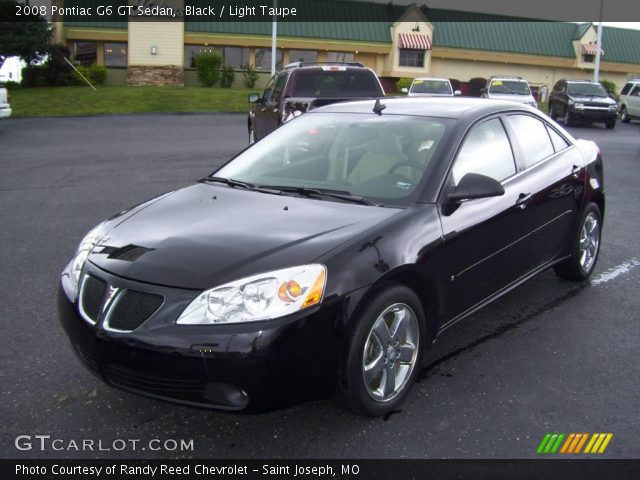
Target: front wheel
(610, 124)
(568, 118)
(384, 352)
(552, 112)
(252, 134)
(624, 115)
(586, 247)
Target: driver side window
(486, 150)
(268, 91)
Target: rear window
(330, 83)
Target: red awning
(415, 41)
(590, 49)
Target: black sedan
(330, 255)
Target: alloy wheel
(589, 241)
(390, 352)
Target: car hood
(512, 97)
(205, 235)
(592, 100)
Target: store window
(342, 57)
(303, 56)
(235, 57)
(85, 53)
(588, 58)
(190, 52)
(411, 58)
(263, 58)
(115, 54)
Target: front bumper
(5, 112)
(261, 364)
(593, 115)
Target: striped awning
(414, 41)
(590, 49)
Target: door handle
(522, 200)
(575, 171)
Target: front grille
(93, 292)
(166, 386)
(132, 308)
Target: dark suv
(582, 100)
(303, 86)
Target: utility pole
(596, 70)
(274, 35)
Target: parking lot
(551, 356)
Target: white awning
(590, 49)
(413, 41)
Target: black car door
(486, 240)
(261, 110)
(555, 177)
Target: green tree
(27, 40)
(208, 68)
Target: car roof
(444, 107)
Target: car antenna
(378, 107)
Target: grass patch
(69, 101)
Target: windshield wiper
(230, 182)
(321, 192)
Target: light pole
(596, 69)
(274, 34)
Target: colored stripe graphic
(572, 443)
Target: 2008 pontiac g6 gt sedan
(330, 255)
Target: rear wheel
(384, 351)
(624, 115)
(586, 247)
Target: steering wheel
(407, 163)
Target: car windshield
(586, 89)
(379, 157)
(512, 87)
(431, 86)
(330, 83)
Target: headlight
(74, 269)
(259, 297)
(578, 105)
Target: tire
(576, 267)
(568, 120)
(624, 115)
(610, 124)
(252, 134)
(552, 112)
(374, 344)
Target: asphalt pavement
(551, 356)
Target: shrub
(250, 76)
(59, 73)
(228, 76)
(10, 85)
(34, 76)
(96, 74)
(609, 86)
(403, 83)
(208, 67)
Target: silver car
(430, 87)
(515, 89)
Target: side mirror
(483, 91)
(457, 93)
(405, 90)
(474, 185)
(254, 97)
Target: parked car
(332, 253)
(430, 87)
(515, 89)
(582, 100)
(303, 86)
(5, 108)
(629, 104)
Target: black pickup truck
(303, 86)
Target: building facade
(402, 41)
